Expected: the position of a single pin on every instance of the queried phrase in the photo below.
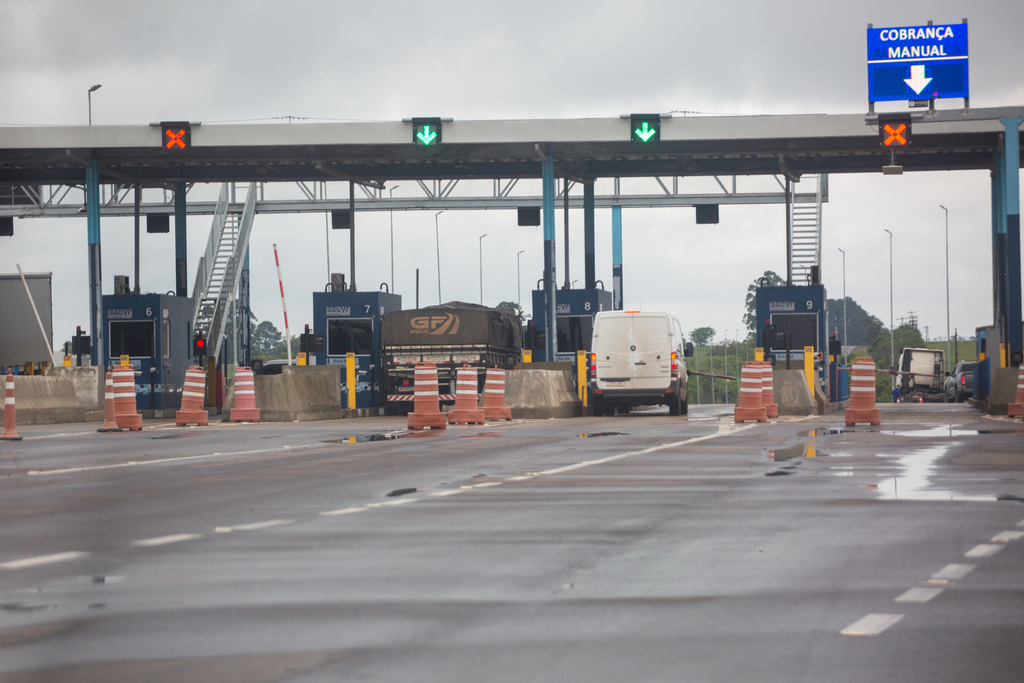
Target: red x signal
(177, 135)
(177, 139)
(895, 135)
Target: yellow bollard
(581, 376)
(758, 354)
(43, 367)
(29, 368)
(527, 355)
(809, 367)
(350, 379)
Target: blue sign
(917, 63)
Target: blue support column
(92, 203)
(589, 266)
(550, 326)
(180, 242)
(617, 258)
(1011, 227)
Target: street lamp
(437, 243)
(892, 331)
(725, 359)
(482, 268)
(845, 338)
(519, 283)
(738, 359)
(947, 285)
(391, 214)
(91, 91)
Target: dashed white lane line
(441, 494)
(520, 478)
(165, 540)
(1007, 536)
(871, 625)
(160, 461)
(952, 572)
(1020, 523)
(253, 526)
(43, 559)
(983, 550)
(400, 501)
(918, 594)
(342, 511)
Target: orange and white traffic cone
(494, 396)
(1017, 407)
(192, 396)
(426, 410)
(465, 410)
(748, 405)
(768, 390)
(862, 394)
(10, 433)
(109, 412)
(125, 412)
(245, 409)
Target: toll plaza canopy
(582, 148)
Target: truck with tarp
(921, 376)
(449, 335)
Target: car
(960, 382)
(638, 360)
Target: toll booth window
(347, 335)
(574, 332)
(802, 329)
(131, 338)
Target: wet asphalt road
(667, 549)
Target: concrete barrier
(44, 400)
(538, 393)
(792, 393)
(1004, 390)
(89, 385)
(300, 393)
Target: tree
(861, 326)
(769, 279)
(511, 306)
(702, 336)
(904, 337)
(264, 339)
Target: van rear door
(615, 359)
(652, 355)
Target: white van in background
(638, 360)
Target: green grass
(962, 350)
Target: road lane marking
(165, 540)
(983, 550)
(43, 559)
(520, 478)
(47, 436)
(1007, 536)
(342, 511)
(952, 572)
(400, 501)
(486, 485)
(918, 594)
(137, 463)
(1020, 523)
(253, 526)
(441, 494)
(871, 625)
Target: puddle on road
(821, 432)
(597, 434)
(368, 437)
(401, 492)
(948, 431)
(470, 436)
(183, 435)
(915, 482)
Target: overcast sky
(256, 61)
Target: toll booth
(574, 310)
(350, 323)
(789, 319)
(155, 332)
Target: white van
(638, 360)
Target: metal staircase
(805, 241)
(220, 268)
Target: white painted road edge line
(1020, 523)
(871, 625)
(983, 550)
(400, 501)
(43, 559)
(441, 494)
(918, 594)
(164, 540)
(342, 511)
(253, 526)
(136, 463)
(1007, 536)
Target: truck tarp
(452, 324)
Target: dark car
(960, 383)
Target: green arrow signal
(646, 133)
(426, 136)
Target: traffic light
(426, 132)
(198, 346)
(894, 131)
(177, 135)
(645, 129)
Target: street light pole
(91, 91)
(437, 243)
(519, 283)
(947, 286)
(845, 338)
(482, 268)
(892, 330)
(391, 215)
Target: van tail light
(593, 366)
(675, 364)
